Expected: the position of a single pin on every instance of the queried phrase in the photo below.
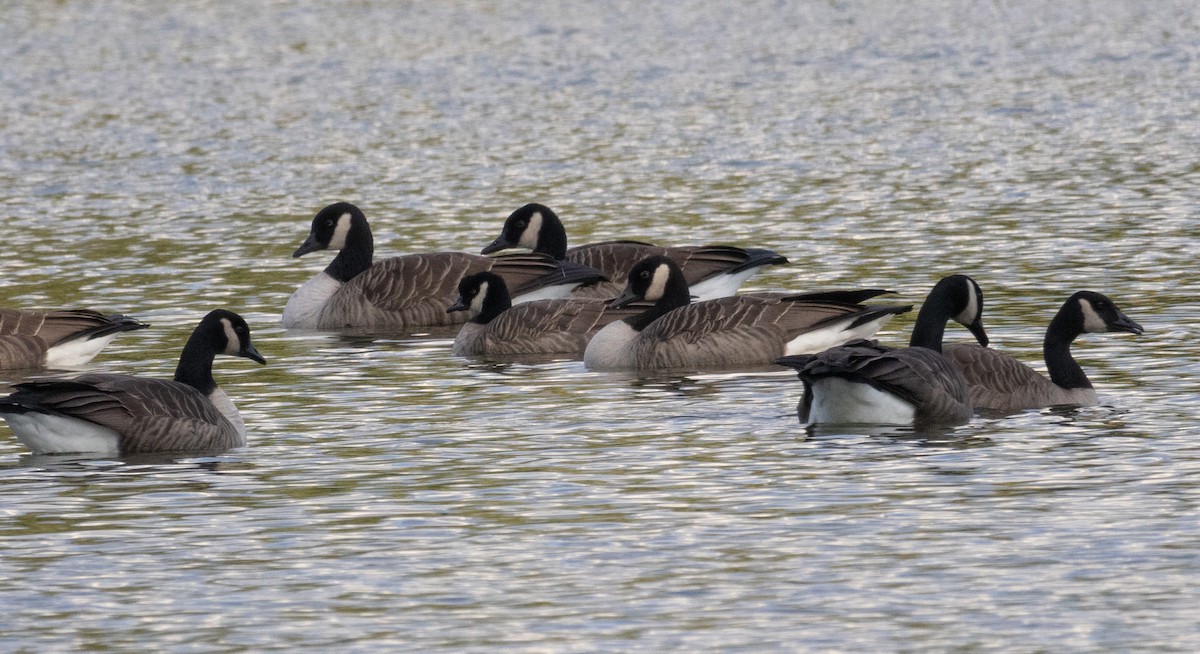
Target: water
(163, 161)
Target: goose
(112, 414)
(497, 327)
(739, 330)
(712, 271)
(61, 338)
(865, 382)
(1001, 382)
(409, 290)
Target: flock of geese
(620, 305)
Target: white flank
(722, 285)
(76, 352)
(834, 335)
(837, 401)
(50, 434)
(555, 292)
(303, 309)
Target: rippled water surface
(163, 160)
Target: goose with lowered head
(867, 383)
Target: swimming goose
(497, 327)
(112, 414)
(57, 339)
(865, 382)
(740, 330)
(998, 381)
(408, 290)
(711, 271)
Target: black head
(966, 303)
(484, 294)
(229, 334)
(655, 279)
(1095, 312)
(533, 226)
(332, 226)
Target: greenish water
(165, 160)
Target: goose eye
(328, 223)
(645, 274)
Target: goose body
(741, 330)
(1000, 382)
(409, 290)
(869, 383)
(57, 339)
(112, 414)
(711, 271)
(497, 327)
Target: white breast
(229, 410)
(303, 309)
(611, 348)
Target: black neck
(355, 256)
(196, 362)
(931, 323)
(1064, 370)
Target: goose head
(954, 297)
(484, 295)
(655, 279)
(334, 227)
(533, 226)
(1091, 312)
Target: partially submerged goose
(57, 339)
(999, 381)
(497, 327)
(711, 271)
(112, 414)
(409, 290)
(740, 330)
(865, 382)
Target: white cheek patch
(233, 344)
(1092, 322)
(338, 240)
(658, 285)
(477, 301)
(971, 312)
(529, 237)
